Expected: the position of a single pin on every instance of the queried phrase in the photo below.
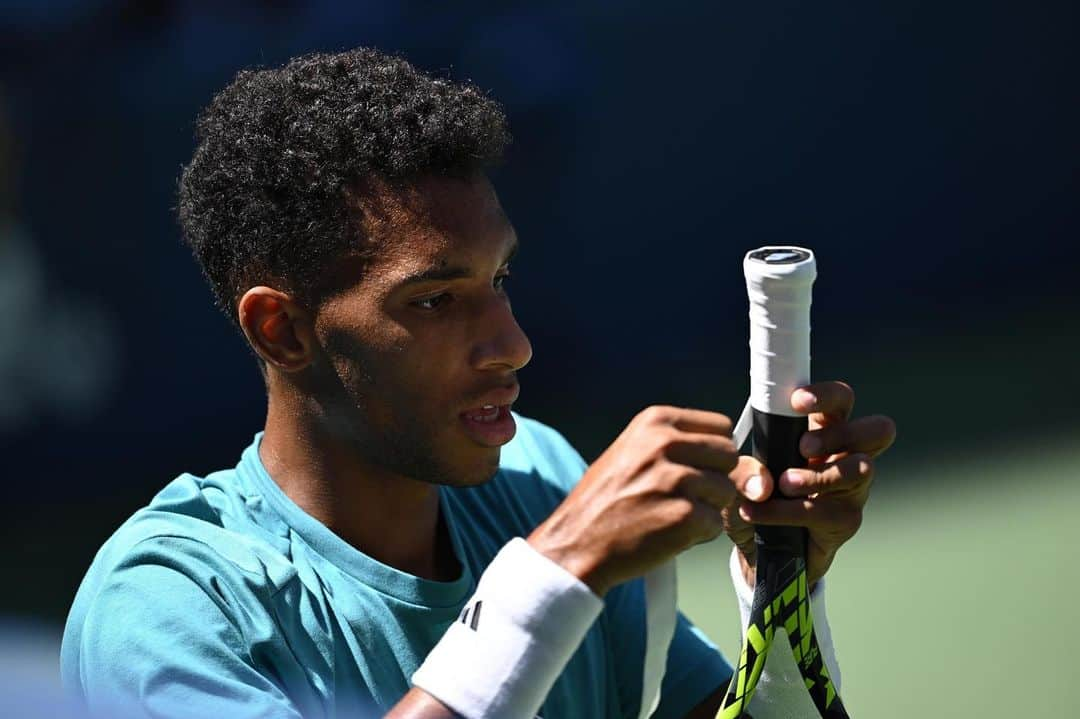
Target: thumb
(752, 482)
(752, 479)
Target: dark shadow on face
(425, 333)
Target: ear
(277, 328)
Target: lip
(497, 432)
(492, 433)
(499, 397)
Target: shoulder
(196, 524)
(189, 548)
(159, 634)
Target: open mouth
(489, 425)
(488, 413)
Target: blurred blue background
(927, 152)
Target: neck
(391, 518)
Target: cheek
(406, 376)
(398, 386)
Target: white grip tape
(779, 327)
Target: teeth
(487, 413)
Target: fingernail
(744, 512)
(812, 445)
(805, 399)
(791, 480)
(755, 487)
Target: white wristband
(781, 693)
(515, 636)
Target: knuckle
(813, 480)
(666, 439)
(853, 520)
(852, 469)
(656, 414)
(672, 477)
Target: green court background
(958, 597)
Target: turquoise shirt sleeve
(156, 644)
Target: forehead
(433, 221)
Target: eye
(500, 280)
(431, 303)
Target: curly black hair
(269, 195)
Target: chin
(479, 472)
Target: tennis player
(396, 540)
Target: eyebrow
(450, 272)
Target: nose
(503, 344)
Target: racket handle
(776, 445)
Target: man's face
(421, 353)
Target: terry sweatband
(501, 657)
(781, 693)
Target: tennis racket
(778, 283)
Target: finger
(687, 522)
(701, 421)
(708, 522)
(834, 400)
(790, 512)
(815, 514)
(870, 435)
(702, 451)
(740, 531)
(712, 488)
(751, 479)
(687, 420)
(853, 473)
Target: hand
(660, 488)
(829, 495)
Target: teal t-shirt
(222, 598)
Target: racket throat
(781, 602)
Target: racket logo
(808, 660)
